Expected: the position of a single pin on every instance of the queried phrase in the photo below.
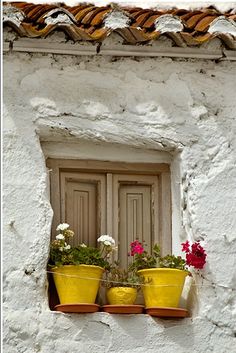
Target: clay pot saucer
(123, 309)
(77, 308)
(167, 312)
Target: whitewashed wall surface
(155, 109)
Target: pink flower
(136, 248)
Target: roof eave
(41, 46)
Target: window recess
(125, 200)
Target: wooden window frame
(162, 170)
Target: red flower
(136, 248)
(185, 246)
(195, 261)
(196, 257)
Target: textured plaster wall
(185, 109)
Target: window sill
(122, 310)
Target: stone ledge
(44, 46)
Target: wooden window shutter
(126, 200)
(82, 204)
(136, 199)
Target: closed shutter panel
(135, 204)
(82, 198)
(81, 211)
(135, 220)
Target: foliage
(118, 277)
(142, 259)
(61, 253)
(172, 261)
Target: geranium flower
(69, 233)
(107, 240)
(196, 256)
(195, 261)
(83, 245)
(136, 248)
(67, 247)
(60, 237)
(63, 226)
(185, 246)
(62, 253)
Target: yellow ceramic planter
(77, 283)
(121, 295)
(163, 286)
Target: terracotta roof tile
(204, 23)
(139, 35)
(41, 13)
(34, 32)
(83, 13)
(74, 10)
(150, 21)
(127, 35)
(79, 33)
(99, 17)
(100, 33)
(189, 39)
(180, 12)
(186, 16)
(193, 20)
(141, 19)
(88, 22)
(177, 39)
(226, 39)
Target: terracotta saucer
(77, 308)
(123, 309)
(167, 312)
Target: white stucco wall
(138, 108)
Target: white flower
(63, 226)
(60, 237)
(67, 247)
(106, 240)
(61, 249)
(83, 245)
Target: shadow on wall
(171, 330)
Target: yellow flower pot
(163, 286)
(121, 295)
(77, 283)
